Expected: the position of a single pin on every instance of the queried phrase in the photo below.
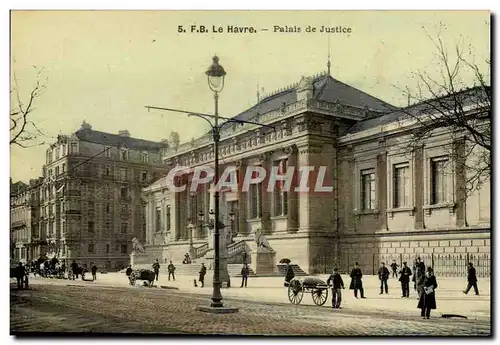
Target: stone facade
(319, 122)
(26, 241)
(91, 206)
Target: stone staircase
(296, 269)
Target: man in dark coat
(383, 276)
(356, 282)
(171, 271)
(394, 267)
(337, 286)
(427, 300)
(404, 278)
(203, 271)
(94, 271)
(128, 272)
(20, 273)
(74, 269)
(156, 269)
(244, 275)
(289, 275)
(471, 279)
(419, 276)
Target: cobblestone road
(61, 308)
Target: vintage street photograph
(250, 173)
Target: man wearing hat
(404, 278)
(356, 282)
(471, 279)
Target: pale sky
(104, 67)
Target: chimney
(124, 133)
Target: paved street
(70, 307)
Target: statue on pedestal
(261, 241)
(137, 246)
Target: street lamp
(215, 76)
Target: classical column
(419, 191)
(242, 199)
(265, 200)
(382, 189)
(176, 214)
(292, 207)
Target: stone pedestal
(264, 262)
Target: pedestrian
(74, 269)
(20, 273)
(427, 300)
(356, 282)
(471, 279)
(244, 275)
(171, 271)
(203, 271)
(156, 269)
(394, 267)
(94, 272)
(404, 278)
(289, 275)
(419, 276)
(337, 286)
(383, 276)
(128, 272)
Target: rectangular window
(64, 167)
(73, 148)
(91, 226)
(254, 194)
(144, 175)
(57, 171)
(123, 154)
(107, 152)
(438, 180)
(158, 219)
(124, 249)
(168, 217)
(107, 171)
(124, 192)
(124, 228)
(108, 208)
(123, 174)
(91, 248)
(58, 153)
(144, 157)
(368, 189)
(107, 248)
(401, 185)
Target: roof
(326, 88)
(97, 137)
(465, 97)
(17, 188)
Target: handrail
(237, 247)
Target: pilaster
(265, 201)
(242, 199)
(292, 196)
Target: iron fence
(444, 265)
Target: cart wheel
(295, 291)
(320, 296)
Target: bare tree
(23, 130)
(463, 111)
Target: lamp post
(201, 218)
(215, 77)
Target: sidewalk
(449, 295)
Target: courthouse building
(388, 202)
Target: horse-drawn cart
(148, 276)
(317, 288)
